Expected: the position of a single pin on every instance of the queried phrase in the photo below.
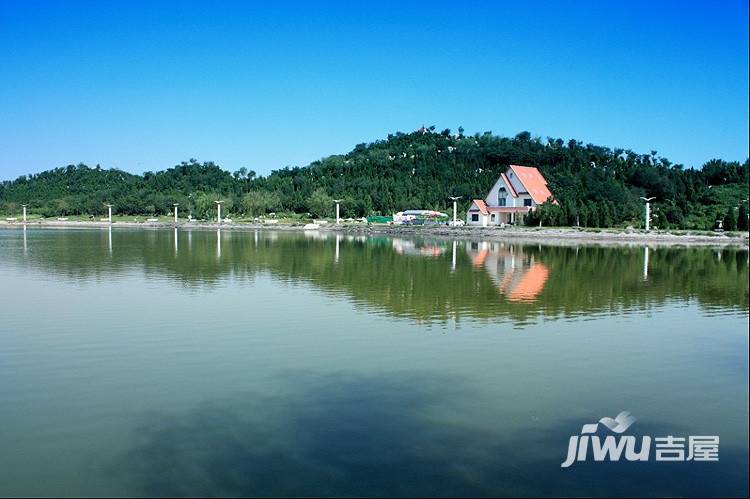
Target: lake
(160, 362)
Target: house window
(501, 192)
(527, 202)
(500, 201)
(492, 217)
(475, 217)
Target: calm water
(160, 363)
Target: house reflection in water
(518, 276)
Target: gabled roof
(533, 181)
(481, 205)
(510, 185)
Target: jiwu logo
(611, 447)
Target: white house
(517, 191)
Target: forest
(595, 186)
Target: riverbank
(532, 234)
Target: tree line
(595, 186)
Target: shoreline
(529, 234)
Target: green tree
(320, 204)
(258, 202)
(730, 222)
(742, 220)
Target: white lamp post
(337, 201)
(648, 212)
(24, 213)
(218, 211)
(109, 211)
(455, 199)
(175, 212)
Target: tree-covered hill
(595, 185)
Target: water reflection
(429, 280)
(350, 434)
(517, 275)
(419, 248)
(180, 362)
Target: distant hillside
(597, 185)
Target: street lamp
(24, 212)
(109, 210)
(455, 199)
(648, 211)
(175, 212)
(337, 201)
(218, 211)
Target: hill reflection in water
(427, 280)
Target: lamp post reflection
(453, 257)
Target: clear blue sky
(143, 86)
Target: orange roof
(533, 181)
(479, 259)
(531, 284)
(481, 205)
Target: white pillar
(24, 213)
(109, 206)
(455, 207)
(218, 212)
(175, 212)
(338, 218)
(648, 211)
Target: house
(517, 192)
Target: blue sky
(143, 86)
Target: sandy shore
(532, 234)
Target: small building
(516, 192)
